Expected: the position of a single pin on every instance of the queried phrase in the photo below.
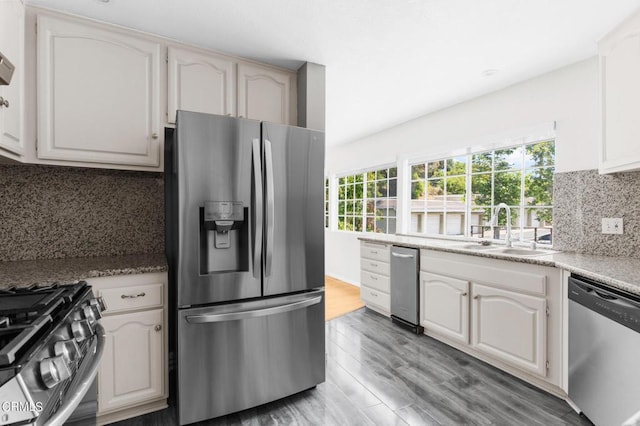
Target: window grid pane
(458, 195)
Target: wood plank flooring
(340, 298)
(381, 374)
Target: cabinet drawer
(132, 298)
(374, 251)
(378, 282)
(381, 268)
(375, 297)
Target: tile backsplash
(582, 199)
(56, 212)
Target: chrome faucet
(494, 221)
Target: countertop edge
(603, 269)
(65, 270)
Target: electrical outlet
(612, 225)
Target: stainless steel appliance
(604, 343)
(245, 243)
(405, 290)
(51, 343)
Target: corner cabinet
(265, 94)
(132, 379)
(11, 96)
(375, 283)
(507, 313)
(98, 95)
(200, 82)
(619, 54)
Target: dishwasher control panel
(618, 307)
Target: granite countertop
(46, 271)
(619, 272)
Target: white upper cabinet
(11, 102)
(98, 95)
(200, 82)
(264, 94)
(620, 96)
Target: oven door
(80, 403)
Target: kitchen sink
(475, 246)
(523, 251)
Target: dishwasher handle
(403, 256)
(607, 302)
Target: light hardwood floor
(340, 298)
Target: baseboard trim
(338, 277)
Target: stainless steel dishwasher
(604, 345)
(405, 291)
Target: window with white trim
(367, 201)
(458, 195)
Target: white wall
(568, 96)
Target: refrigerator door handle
(256, 159)
(253, 313)
(270, 211)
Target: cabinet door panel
(131, 370)
(12, 46)
(263, 94)
(98, 95)
(200, 83)
(445, 306)
(511, 326)
(620, 66)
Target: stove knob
(54, 370)
(81, 329)
(68, 349)
(98, 302)
(90, 314)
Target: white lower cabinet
(507, 313)
(375, 285)
(510, 326)
(132, 379)
(131, 370)
(445, 305)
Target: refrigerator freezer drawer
(237, 356)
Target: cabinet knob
(4, 102)
(154, 136)
(158, 327)
(476, 297)
(463, 294)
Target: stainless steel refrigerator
(245, 245)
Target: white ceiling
(388, 61)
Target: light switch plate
(612, 225)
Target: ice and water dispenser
(224, 237)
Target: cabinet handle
(374, 252)
(373, 278)
(375, 265)
(158, 327)
(154, 136)
(464, 294)
(4, 102)
(133, 296)
(476, 297)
